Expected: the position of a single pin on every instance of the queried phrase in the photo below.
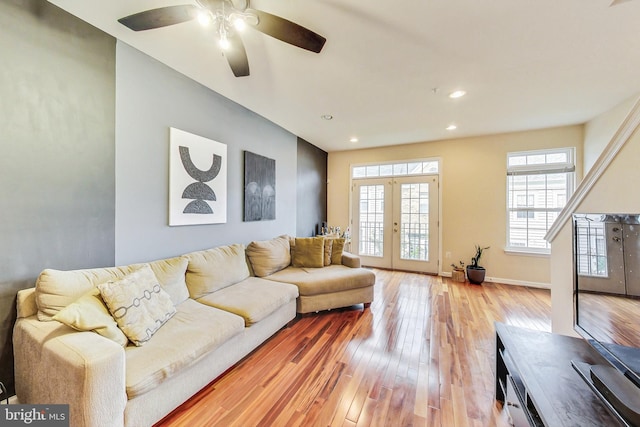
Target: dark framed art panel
(259, 187)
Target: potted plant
(457, 274)
(475, 272)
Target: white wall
(615, 191)
(473, 190)
(599, 131)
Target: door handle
(616, 238)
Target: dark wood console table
(537, 384)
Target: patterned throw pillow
(138, 304)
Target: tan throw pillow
(269, 256)
(328, 244)
(138, 304)
(89, 313)
(309, 252)
(336, 250)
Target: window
(538, 186)
(591, 248)
(414, 167)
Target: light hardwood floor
(421, 355)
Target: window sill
(528, 252)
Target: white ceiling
(388, 66)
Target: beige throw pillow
(328, 244)
(89, 313)
(56, 289)
(309, 252)
(336, 250)
(269, 256)
(138, 304)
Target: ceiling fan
(228, 17)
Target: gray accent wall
(57, 178)
(84, 132)
(151, 98)
(312, 189)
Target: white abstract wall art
(197, 179)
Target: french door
(395, 222)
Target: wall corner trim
(619, 139)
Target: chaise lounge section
(326, 276)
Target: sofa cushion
(333, 278)
(56, 289)
(214, 269)
(309, 252)
(253, 298)
(171, 275)
(194, 330)
(138, 304)
(269, 256)
(89, 313)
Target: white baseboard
(540, 285)
(508, 281)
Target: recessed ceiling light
(354, 139)
(457, 94)
(327, 116)
(452, 127)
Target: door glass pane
(414, 223)
(371, 221)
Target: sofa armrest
(26, 302)
(350, 260)
(55, 364)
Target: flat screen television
(606, 250)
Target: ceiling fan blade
(288, 32)
(161, 17)
(237, 56)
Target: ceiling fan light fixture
(239, 23)
(224, 42)
(240, 20)
(205, 17)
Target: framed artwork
(197, 179)
(259, 187)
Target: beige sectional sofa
(202, 313)
(326, 276)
